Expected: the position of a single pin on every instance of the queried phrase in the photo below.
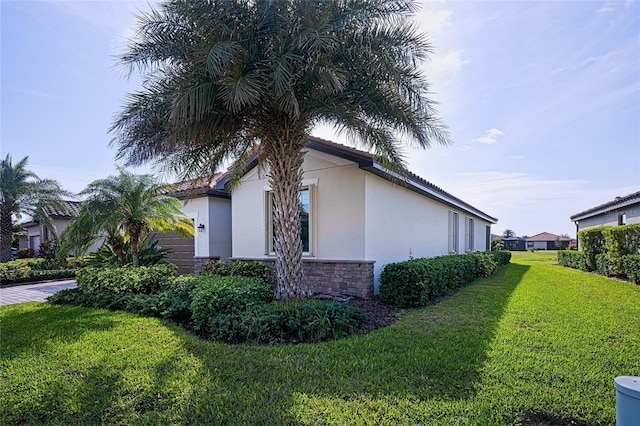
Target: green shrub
(216, 295)
(573, 259)
(311, 321)
(592, 243)
(149, 253)
(485, 264)
(501, 257)
(621, 241)
(29, 270)
(604, 266)
(166, 304)
(631, 267)
(417, 281)
(127, 279)
(254, 269)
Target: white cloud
(605, 9)
(446, 66)
(434, 21)
(490, 137)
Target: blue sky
(542, 100)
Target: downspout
(577, 239)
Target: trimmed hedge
(502, 257)
(418, 281)
(217, 295)
(592, 243)
(126, 279)
(239, 268)
(166, 304)
(573, 259)
(631, 267)
(604, 266)
(311, 321)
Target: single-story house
(37, 233)
(357, 217)
(547, 241)
(620, 211)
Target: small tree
(496, 244)
(123, 209)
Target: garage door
(182, 251)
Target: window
(468, 234)
(622, 219)
(306, 220)
(488, 239)
(453, 232)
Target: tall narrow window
(306, 209)
(453, 232)
(487, 241)
(468, 234)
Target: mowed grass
(533, 341)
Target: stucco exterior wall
(215, 214)
(401, 223)
(611, 218)
(337, 210)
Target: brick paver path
(32, 292)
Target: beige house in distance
(357, 216)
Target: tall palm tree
(125, 208)
(23, 192)
(223, 78)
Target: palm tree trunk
(5, 236)
(134, 249)
(285, 177)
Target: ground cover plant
(533, 344)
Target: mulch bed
(380, 314)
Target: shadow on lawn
(435, 353)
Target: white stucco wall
(215, 214)
(337, 217)
(402, 223)
(611, 218)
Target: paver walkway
(32, 292)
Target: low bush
(239, 268)
(417, 281)
(149, 253)
(166, 304)
(485, 264)
(217, 295)
(573, 259)
(631, 267)
(501, 257)
(604, 266)
(127, 279)
(29, 270)
(311, 321)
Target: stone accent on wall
(199, 261)
(336, 277)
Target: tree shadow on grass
(436, 353)
(46, 324)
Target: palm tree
(125, 208)
(23, 192)
(508, 233)
(227, 78)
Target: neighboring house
(37, 233)
(547, 241)
(513, 243)
(357, 216)
(621, 211)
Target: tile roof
(199, 183)
(546, 236)
(603, 208)
(67, 210)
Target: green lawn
(534, 338)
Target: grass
(533, 340)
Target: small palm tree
(124, 208)
(23, 192)
(224, 77)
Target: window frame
(454, 232)
(309, 185)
